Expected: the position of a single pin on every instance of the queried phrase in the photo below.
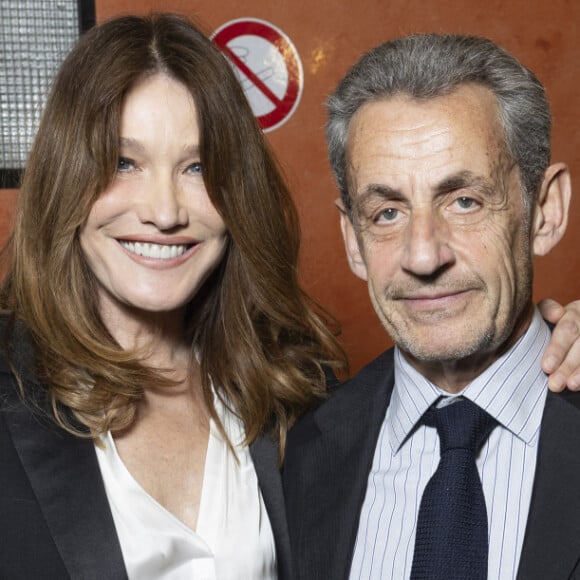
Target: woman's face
(153, 236)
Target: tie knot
(461, 425)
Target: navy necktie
(452, 540)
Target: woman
(158, 343)
(155, 309)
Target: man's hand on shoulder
(561, 360)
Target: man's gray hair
(425, 66)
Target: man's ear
(353, 253)
(551, 211)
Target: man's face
(440, 230)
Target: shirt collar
(512, 389)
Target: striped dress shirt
(513, 390)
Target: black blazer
(55, 520)
(329, 455)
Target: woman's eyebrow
(131, 143)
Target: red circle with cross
(268, 66)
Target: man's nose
(426, 244)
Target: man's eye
(388, 215)
(465, 202)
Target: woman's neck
(158, 338)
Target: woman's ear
(551, 211)
(353, 252)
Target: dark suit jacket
(329, 456)
(55, 520)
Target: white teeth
(156, 251)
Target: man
(441, 149)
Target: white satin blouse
(233, 539)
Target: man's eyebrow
(378, 190)
(373, 193)
(462, 180)
(458, 180)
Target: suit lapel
(325, 476)
(265, 457)
(552, 542)
(64, 474)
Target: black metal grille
(35, 36)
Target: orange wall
(329, 36)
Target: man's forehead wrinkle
(421, 141)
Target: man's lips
(432, 300)
(434, 295)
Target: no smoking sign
(267, 65)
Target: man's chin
(444, 347)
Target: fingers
(562, 357)
(567, 373)
(551, 310)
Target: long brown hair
(260, 340)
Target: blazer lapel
(328, 461)
(265, 457)
(552, 542)
(64, 474)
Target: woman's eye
(195, 168)
(124, 164)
